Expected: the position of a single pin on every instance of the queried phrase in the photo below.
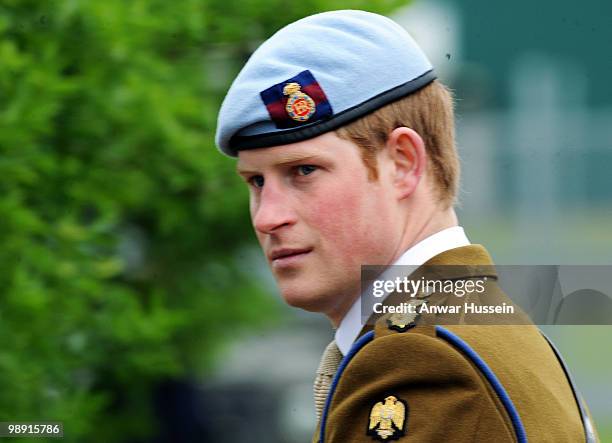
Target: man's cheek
(336, 217)
(342, 242)
(341, 203)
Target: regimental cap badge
(300, 106)
(297, 101)
(388, 419)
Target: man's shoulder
(513, 344)
(491, 383)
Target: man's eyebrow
(242, 171)
(283, 160)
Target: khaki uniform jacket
(454, 383)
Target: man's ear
(407, 150)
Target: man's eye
(257, 181)
(306, 169)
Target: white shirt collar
(435, 244)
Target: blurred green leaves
(121, 227)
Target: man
(346, 142)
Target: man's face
(318, 218)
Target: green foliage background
(121, 227)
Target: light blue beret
(318, 74)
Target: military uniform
(459, 383)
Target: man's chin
(306, 300)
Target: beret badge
(300, 106)
(297, 101)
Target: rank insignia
(388, 419)
(296, 101)
(401, 322)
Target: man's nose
(273, 210)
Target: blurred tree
(122, 230)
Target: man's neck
(434, 245)
(437, 221)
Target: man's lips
(287, 255)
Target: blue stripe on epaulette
(589, 429)
(363, 340)
(499, 389)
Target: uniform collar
(435, 244)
